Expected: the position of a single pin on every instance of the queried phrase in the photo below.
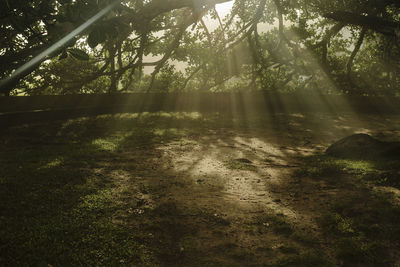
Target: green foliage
(78, 54)
(96, 36)
(66, 76)
(302, 54)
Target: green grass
(363, 226)
(237, 165)
(335, 223)
(304, 239)
(288, 250)
(55, 209)
(378, 171)
(353, 250)
(306, 259)
(280, 225)
(60, 203)
(58, 213)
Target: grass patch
(378, 171)
(363, 226)
(237, 165)
(305, 259)
(61, 203)
(277, 222)
(363, 230)
(354, 251)
(336, 224)
(56, 209)
(305, 239)
(288, 250)
(280, 225)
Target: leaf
(97, 36)
(73, 12)
(78, 54)
(63, 55)
(110, 31)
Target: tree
(309, 44)
(29, 28)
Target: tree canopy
(94, 46)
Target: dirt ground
(227, 193)
(210, 211)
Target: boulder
(363, 146)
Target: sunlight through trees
(55, 47)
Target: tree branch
(366, 21)
(171, 48)
(355, 50)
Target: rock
(363, 146)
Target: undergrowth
(363, 226)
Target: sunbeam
(252, 142)
(42, 56)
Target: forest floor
(191, 189)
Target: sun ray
(42, 56)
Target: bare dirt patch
(204, 189)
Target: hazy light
(58, 44)
(224, 8)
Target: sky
(224, 8)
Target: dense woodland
(339, 47)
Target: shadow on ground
(191, 189)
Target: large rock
(363, 146)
